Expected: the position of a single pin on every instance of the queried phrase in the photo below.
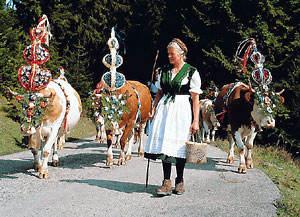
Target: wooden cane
(153, 69)
(147, 174)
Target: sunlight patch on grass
(282, 170)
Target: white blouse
(195, 84)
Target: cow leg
(206, 129)
(98, 134)
(230, 158)
(55, 161)
(118, 138)
(103, 134)
(61, 141)
(249, 145)
(242, 149)
(46, 152)
(141, 135)
(126, 133)
(130, 145)
(203, 133)
(109, 156)
(213, 133)
(36, 160)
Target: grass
(12, 141)
(282, 170)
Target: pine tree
(218, 27)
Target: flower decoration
(33, 108)
(266, 99)
(110, 105)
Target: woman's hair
(179, 46)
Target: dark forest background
(211, 30)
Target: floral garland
(110, 105)
(33, 109)
(267, 100)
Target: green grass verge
(12, 141)
(282, 170)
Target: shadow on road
(126, 187)
(10, 167)
(80, 161)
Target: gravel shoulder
(83, 186)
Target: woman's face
(174, 56)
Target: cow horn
(12, 92)
(250, 88)
(279, 93)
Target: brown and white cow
(236, 108)
(58, 120)
(130, 120)
(100, 127)
(208, 120)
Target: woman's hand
(194, 127)
(152, 113)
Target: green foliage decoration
(32, 108)
(110, 105)
(266, 98)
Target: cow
(238, 109)
(136, 117)
(100, 127)
(61, 115)
(120, 93)
(208, 120)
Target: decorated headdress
(260, 75)
(113, 80)
(33, 77)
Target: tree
(217, 27)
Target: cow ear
(249, 97)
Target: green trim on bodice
(173, 87)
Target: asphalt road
(83, 186)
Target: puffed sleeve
(195, 84)
(157, 83)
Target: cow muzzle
(268, 123)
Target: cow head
(110, 106)
(33, 108)
(213, 117)
(33, 105)
(263, 103)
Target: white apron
(170, 128)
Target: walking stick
(147, 174)
(153, 69)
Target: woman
(174, 118)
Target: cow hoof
(141, 154)
(230, 160)
(249, 164)
(43, 175)
(117, 146)
(55, 163)
(37, 167)
(242, 169)
(128, 157)
(109, 162)
(102, 141)
(97, 140)
(121, 162)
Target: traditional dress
(170, 128)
